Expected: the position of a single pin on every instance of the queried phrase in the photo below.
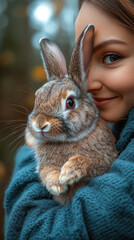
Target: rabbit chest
(57, 153)
(98, 147)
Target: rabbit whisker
(20, 142)
(13, 133)
(13, 126)
(20, 107)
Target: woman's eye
(70, 103)
(111, 58)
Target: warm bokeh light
(38, 74)
(6, 58)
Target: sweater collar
(124, 131)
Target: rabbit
(72, 144)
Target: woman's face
(111, 75)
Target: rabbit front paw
(57, 189)
(69, 177)
(50, 178)
(72, 170)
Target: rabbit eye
(70, 103)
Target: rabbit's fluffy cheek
(56, 127)
(29, 139)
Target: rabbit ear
(81, 57)
(53, 59)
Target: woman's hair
(120, 10)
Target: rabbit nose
(46, 127)
(43, 127)
(35, 127)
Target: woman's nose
(94, 80)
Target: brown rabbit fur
(71, 142)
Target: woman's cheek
(120, 80)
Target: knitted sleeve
(102, 210)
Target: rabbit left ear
(53, 59)
(81, 57)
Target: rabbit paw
(69, 176)
(57, 189)
(50, 178)
(73, 170)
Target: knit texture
(103, 210)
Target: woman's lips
(101, 102)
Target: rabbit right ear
(81, 57)
(53, 59)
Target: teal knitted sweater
(103, 210)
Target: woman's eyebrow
(108, 42)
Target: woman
(105, 208)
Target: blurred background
(22, 24)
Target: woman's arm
(102, 210)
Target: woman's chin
(113, 116)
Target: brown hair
(120, 10)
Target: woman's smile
(101, 102)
